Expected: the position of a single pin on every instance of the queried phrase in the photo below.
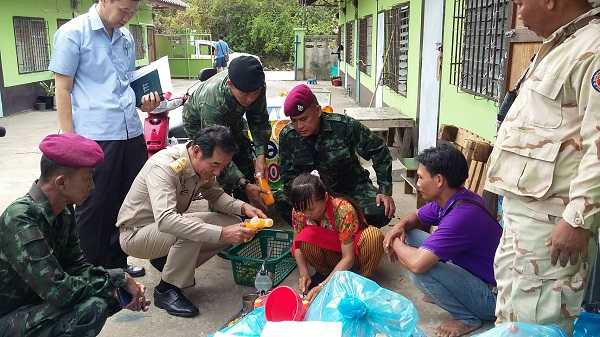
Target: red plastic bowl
(284, 304)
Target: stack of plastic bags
(364, 308)
(586, 325)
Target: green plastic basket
(247, 258)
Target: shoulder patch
(596, 80)
(179, 165)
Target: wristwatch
(244, 182)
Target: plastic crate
(269, 246)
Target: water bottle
(263, 282)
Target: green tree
(261, 27)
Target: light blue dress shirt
(221, 48)
(103, 102)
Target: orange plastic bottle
(267, 196)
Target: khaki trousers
(183, 256)
(530, 288)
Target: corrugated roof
(175, 4)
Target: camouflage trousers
(530, 288)
(42, 320)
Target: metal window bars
(365, 30)
(478, 52)
(395, 74)
(348, 47)
(31, 42)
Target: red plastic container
(284, 304)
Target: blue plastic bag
(418, 333)
(587, 325)
(250, 325)
(523, 330)
(363, 307)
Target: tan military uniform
(546, 163)
(153, 222)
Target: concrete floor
(216, 294)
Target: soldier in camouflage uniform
(546, 164)
(46, 287)
(329, 143)
(223, 100)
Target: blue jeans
(465, 296)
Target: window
(349, 36)
(138, 38)
(395, 74)
(365, 44)
(479, 46)
(60, 22)
(31, 40)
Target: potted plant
(48, 97)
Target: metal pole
(296, 43)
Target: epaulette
(286, 129)
(179, 165)
(335, 117)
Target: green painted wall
(51, 11)
(462, 109)
(456, 107)
(407, 104)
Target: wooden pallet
(476, 150)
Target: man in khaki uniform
(152, 220)
(546, 164)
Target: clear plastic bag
(587, 325)
(364, 308)
(516, 329)
(250, 325)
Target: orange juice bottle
(267, 196)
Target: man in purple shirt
(453, 267)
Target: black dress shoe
(175, 303)
(135, 271)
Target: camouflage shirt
(213, 104)
(548, 148)
(41, 261)
(333, 152)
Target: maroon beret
(298, 100)
(72, 150)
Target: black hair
(307, 186)
(447, 161)
(221, 37)
(217, 135)
(50, 169)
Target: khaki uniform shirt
(163, 191)
(548, 148)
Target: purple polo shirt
(466, 235)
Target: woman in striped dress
(331, 234)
